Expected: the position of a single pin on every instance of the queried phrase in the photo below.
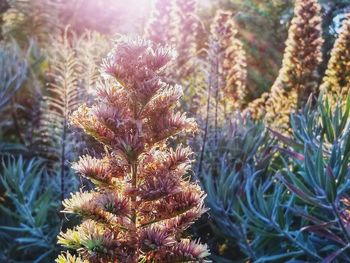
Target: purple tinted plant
(143, 198)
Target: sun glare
(121, 16)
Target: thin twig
(205, 130)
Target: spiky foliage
(232, 60)
(294, 206)
(160, 28)
(144, 199)
(13, 73)
(336, 82)
(243, 148)
(29, 222)
(318, 181)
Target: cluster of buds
(232, 65)
(143, 198)
(256, 108)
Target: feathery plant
(28, 114)
(29, 222)
(57, 142)
(72, 72)
(72, 69)
(89, 48)
(143, 198)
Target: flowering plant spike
(186, 29)
(232, 65)
(298, 76)
(336, 82)
(161, 28)
(143, 199)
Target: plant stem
(301, 246)
(64, 138)
(63, 158)
(205, 130)
(246, 243)
(134, 185)
(217, 83)
(340, 222)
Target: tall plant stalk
(143, 198)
